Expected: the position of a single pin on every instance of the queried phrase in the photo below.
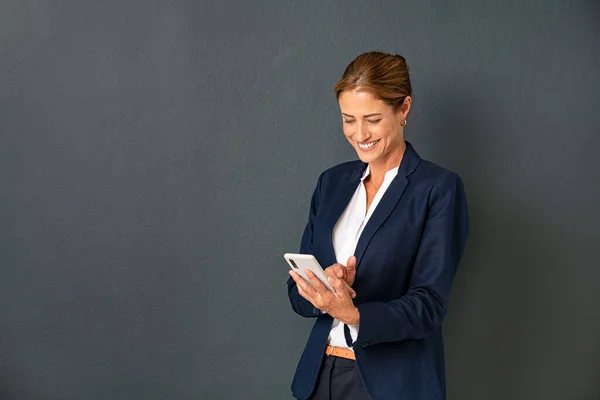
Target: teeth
(367, 145)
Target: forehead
(361, 102)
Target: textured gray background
(157, 159)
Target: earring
(403, 122)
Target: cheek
(347, 131)
(388, 132)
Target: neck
(378, 170)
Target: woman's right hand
(346, 272)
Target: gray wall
(157, 159)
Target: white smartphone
(299, 263)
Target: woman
(391, 228)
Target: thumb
(351, 264)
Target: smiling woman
(386, 342)
(374, 97)
(376, 131)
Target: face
(373, 127)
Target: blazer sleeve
(299, 304)
(420, 312)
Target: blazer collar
(410, 160)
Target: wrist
(353, 317)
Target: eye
(348, 121)
(374, 121)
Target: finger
(342, 289)
(330, 272)
(351, 270)
(339, 270)
(351, 263)
(316, 283)
(313, 297)
(322, 295)
(336, 285)
(352, 293)
(311, 300)
(301, 284)
(306, 296)
(304, 289)
(297, 278)
(336, 270)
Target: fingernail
(330, 280)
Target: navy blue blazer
(407, 257)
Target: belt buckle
(330, 352)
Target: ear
(405, 107)
(402, 112)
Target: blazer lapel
(388, 202)
(384, 209)
(339, 204)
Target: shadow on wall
(505, 331)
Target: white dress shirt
(346, 233)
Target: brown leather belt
(340, 352)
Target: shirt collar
(391, 174)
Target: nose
(362, 133)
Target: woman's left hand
(339, 304)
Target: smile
(367, 146)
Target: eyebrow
(364, 116)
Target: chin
(366, 158)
